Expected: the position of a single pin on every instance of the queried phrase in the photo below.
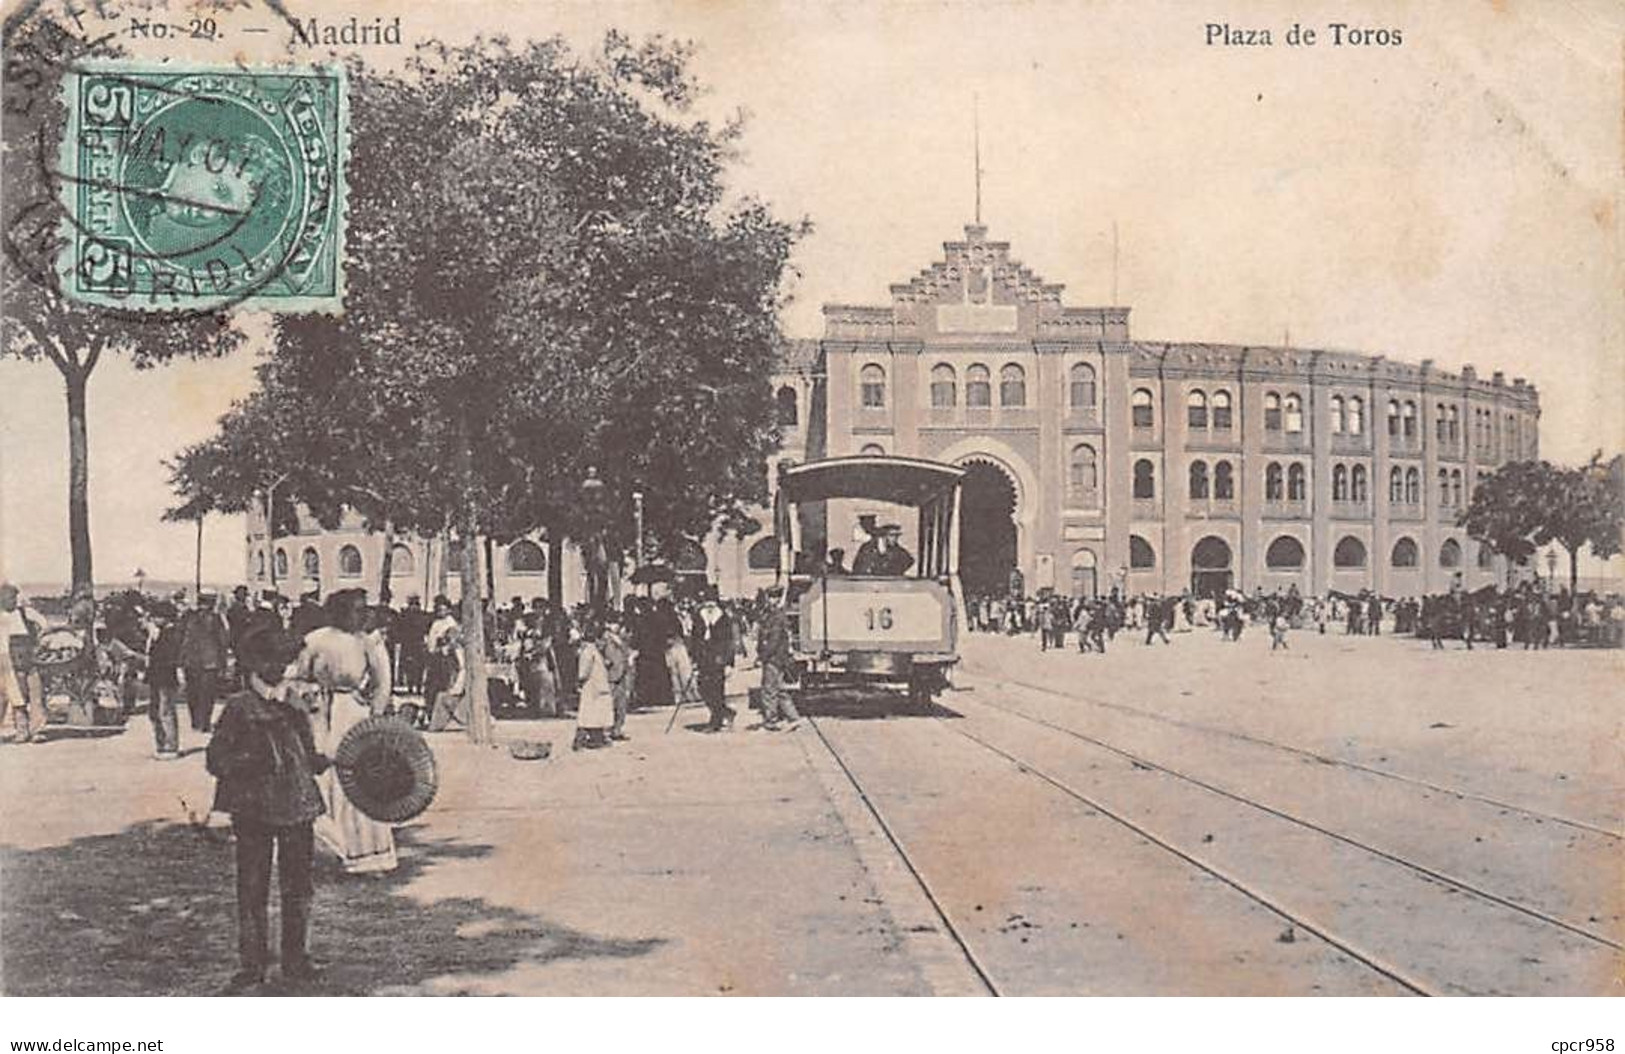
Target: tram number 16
(878, 618)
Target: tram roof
(871, 477)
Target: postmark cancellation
(192, 188)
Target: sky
(1456, 197)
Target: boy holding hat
(264, 756)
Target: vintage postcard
(806, 499)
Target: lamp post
(637, 520)
(592, 505)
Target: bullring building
(1097, 460)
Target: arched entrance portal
(987, 533)
(1210, 567)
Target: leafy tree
(40, 323)
(1527, 504)
(544, 280)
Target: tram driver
(883, 554)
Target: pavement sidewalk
(679, 863)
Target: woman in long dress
(596, 713)
(350, 669)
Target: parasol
(386, 769)
(651, 573)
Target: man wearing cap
(773, 652)
(309, 615)
(163, 680)
(205, 642)
(883, 554)
(265, 759)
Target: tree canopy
(40, 323)
(1524, 505)
(545, 276)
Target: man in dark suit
(711, 646)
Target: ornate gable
(977, 272)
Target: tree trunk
(197, 567)
(490, 569)
(386, 567)
(555, 567)
(480, 726)
(79, 480)
(1574, 576)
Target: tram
(872, 629)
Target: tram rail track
(1393, 972)
(1313, 755)
(1444, 878)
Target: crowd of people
(1523, 616)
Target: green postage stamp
(191, 188)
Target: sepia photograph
(812, 498)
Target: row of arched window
(1082, 388)
(523, 557)
(1286, 553)
(1205, 411)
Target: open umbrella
(651, 573)
(386, 769)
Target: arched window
(279, 563)
(401, 560)
(1453, 413)
(1140, 554)
(872, 380)
(1413, 486)
(1085, 581)
(1198, 482)
(349, 562)
(1515, 441)
(1393, 418)
(1196, 410)
(1145, 479)
(1340, 483)
(1297, 485)
(1404, 554)
(763, 554)
(1292, 407)
(259, 564)
(1012, 386)
(1337, 415)
(1444, 486)
(873, 450)
(1272, 412)
(525, 557)
(944, 387)
(1221, 410)
(1141, 408)
(1356, 416)
(785, 402)
(978, 386)
(1408, 412)
(1441, 423)
(1284, 554)
(1083, 478)
(1455, 488)
(1224, 482)
(1350, 552)
(310, 562)
(1450, 554)
(1272, 482)
(1486, 557)
(1396, 485)
(1359, 489)
(1082, 387)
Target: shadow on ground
(861, 704)
(151, 911)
